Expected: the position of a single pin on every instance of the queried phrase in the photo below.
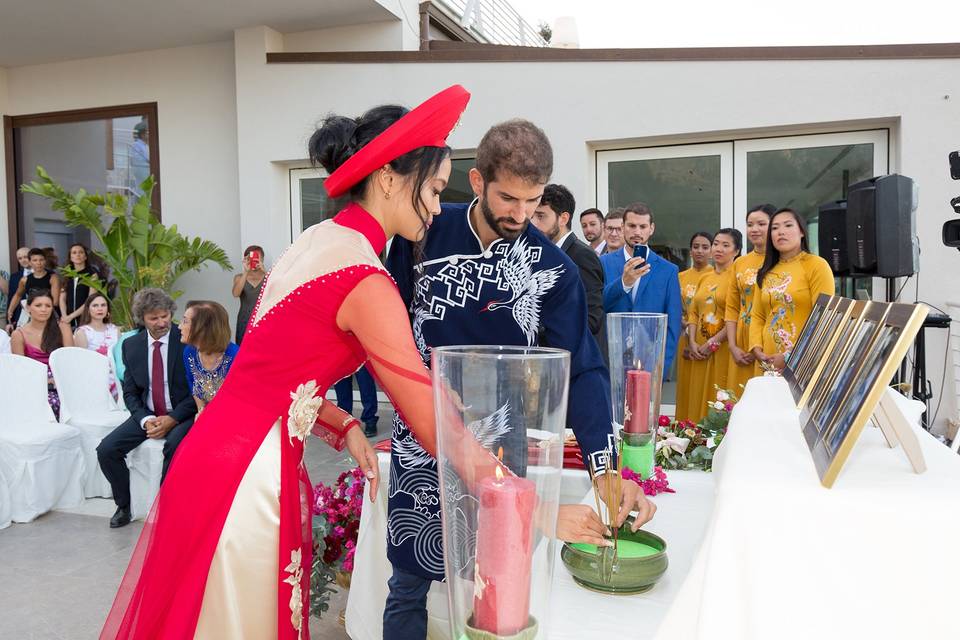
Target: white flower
(718, 406)
(722, 395)
(296, 595)
(303, 410)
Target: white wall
(194, 90)
(643, 102)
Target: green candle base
(639, 457)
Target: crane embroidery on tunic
(526, 287)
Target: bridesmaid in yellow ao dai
(707, 331)
(700, 249)
(789, 282)
(743, 365)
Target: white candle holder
(499, 518)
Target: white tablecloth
(785, 558)
(576, 612)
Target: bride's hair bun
(333, 142)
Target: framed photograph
(821, 388)
(820, 343)
(796, 359)
(828, 390)
(854, 382)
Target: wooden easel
(896, 429)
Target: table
(785, 558)
(577, 613)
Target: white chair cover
(4, 342)
(146, 467)
(86, 404)
(41, 460)
(5, 502)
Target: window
(309, 202)
(111, 149)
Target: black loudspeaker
(832, 236)
(882, 227)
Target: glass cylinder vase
(637, 344)
(501, 413)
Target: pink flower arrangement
(337, 511)
(657, 483)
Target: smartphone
(641, 251)
(254, 260)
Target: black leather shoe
(370, 429)
(121, 518)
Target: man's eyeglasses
(614, 231)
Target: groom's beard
(498, 224)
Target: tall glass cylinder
(637, 344)
(501, 413)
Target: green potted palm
(139, 250)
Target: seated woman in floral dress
(208, 354)
(96, 332)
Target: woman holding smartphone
(247, 286)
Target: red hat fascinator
(426, 126)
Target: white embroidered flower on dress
(303, 410)
(296, 594)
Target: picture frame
(828, 316)
(853, 384)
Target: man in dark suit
(155, 391)
(552, 217)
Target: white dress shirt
(165, 341)
(601, 248)
(563, 238)
(627, 256)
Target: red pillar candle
(501, 602)
(636, 415)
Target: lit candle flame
(499, 472)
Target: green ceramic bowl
(635, 571)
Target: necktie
(156, 384)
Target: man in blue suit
(635, 284)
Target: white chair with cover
(5, 507)
(146, 466)
(86, 404)
(41, 460)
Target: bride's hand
(363, 452)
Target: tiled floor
(59, 574)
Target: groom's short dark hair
(516, 146)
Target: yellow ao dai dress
(782, 304)
(706, 313)
(689, 279)
(739, 306)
